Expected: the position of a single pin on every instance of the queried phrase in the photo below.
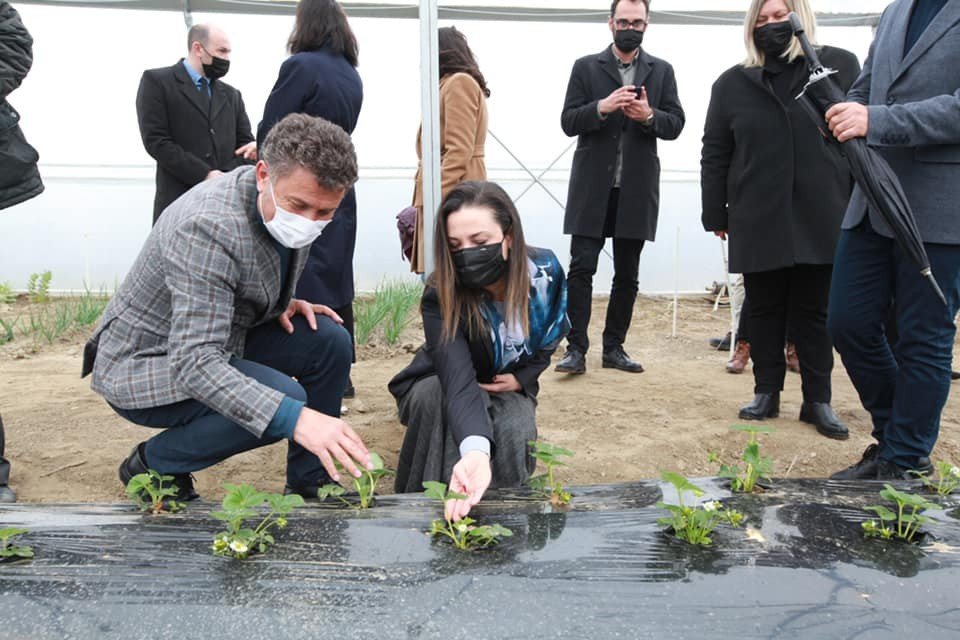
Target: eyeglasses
(636, 25)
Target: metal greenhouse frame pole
(430, 118)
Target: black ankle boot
(820, 415)
(764, 405)
(135, 464)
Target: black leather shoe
(349, 391)
(820, 415)
(887, 470)
(955, 375)
(764, 405)
(6, 494)
(865, 469)
(134, 464)
(618, 359)
(721, 344)
(573, 361)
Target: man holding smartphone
(618, 103)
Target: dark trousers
(196, 437)
(904, 391)
(796, 296)
(743, 327)
(4, 463)
(584, 255)
(429, 451)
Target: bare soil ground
(65, 443)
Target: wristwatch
(649, 119)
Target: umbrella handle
(813, 60)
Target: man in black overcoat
(192, 123)
(618, 103)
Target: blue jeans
(903, 386)
(196, 437)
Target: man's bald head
(210, 39)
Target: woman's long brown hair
(323, 24)
(456, 56)
(457, 302)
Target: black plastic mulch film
(801, 568)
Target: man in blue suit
(906, 103)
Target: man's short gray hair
(317, 145)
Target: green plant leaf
(882, 512)
(330, 490)
(376, 461)
(751, 454)
(435, 490)
(11, 532)
(681, 483)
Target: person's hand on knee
(307, 310)
(332, 439)
(471, 476)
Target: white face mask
(291, 230)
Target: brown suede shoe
(738, 362)
(793, 362)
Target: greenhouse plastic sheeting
(604, 569)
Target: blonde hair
(755, 57)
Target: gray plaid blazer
(207, 274)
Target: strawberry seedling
(366, 484)
(905, 523)
(545, 485)
(465, 534)
(241, 503)
(8, 551)
(150, 494)
(948, 479)
(756, 468)
(694, 524)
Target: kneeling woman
(494, 311)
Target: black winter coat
(767, 177)
(188, 135)
(19, 177)
(593, 78)
(323, 84)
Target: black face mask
(217, 68)
(774, 38)
(628, 40)
(481, 266)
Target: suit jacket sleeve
(244, 131)
(933, 121)
(293, 88)
(668, 116)
(715, 159)
(580, 113)
(152, 116)
(202, 276)
(463, 406)
(16, 50)
(461, 103)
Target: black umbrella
(879, 183)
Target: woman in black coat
(320, 79)
(770, 184)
